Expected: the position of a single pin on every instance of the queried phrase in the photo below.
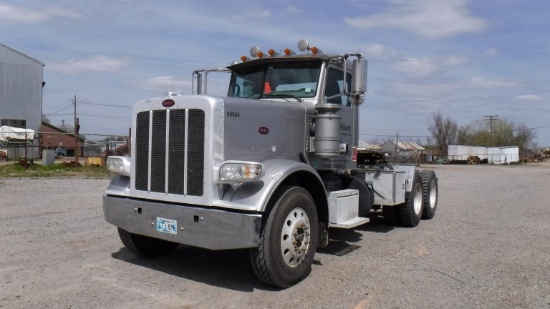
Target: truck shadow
(377, 224)
(343, 241)
(229, 269)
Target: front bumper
(200, 227)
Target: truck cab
(271, 167)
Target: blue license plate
(168, 226)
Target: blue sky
(466, 59)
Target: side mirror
(358, 82)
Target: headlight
(240, 171)
(119, 165)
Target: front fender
(255, 195)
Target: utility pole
(75, 134)
(491, 118)
(396, 143)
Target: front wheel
(288, 239)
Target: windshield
(276, 80)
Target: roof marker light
(303, 45)
(244, 58)
(272, 52)
(254, 51)
(288, 52)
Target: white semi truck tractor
(271, 167)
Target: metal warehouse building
(21, 83)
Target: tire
(288, 239)
(145, 246)
(430, 192)
(473, 160)
(411, 211)
(366, 195)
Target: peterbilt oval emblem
(263, 130)
(168, 103)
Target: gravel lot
(487, 247)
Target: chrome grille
(195, 147)
(142, 151)
(176, 170)
(158, 152)
(170, 151)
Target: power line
(102, 116)
(104, 104)
(64, 108)
(535, 128)
(58, 114)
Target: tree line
(445, 131)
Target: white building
(21, 83)
(403, 149)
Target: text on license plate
(168, 226)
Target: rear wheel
(429, 193)
(288, 239)
(411, 211)
(145, 246)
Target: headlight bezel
(240, 171)
(119, 165)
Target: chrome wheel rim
(433, 194)
(417, 202)
(295, 237)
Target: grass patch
(57, 170)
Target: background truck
(271, 167)
(61, 152)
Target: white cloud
(492, 52)
(293, 10)
(417, 67)
(162, 84)
(252, 14)
(432, 19)
(375, 51)
(417, 90)
(96, 63)
(434, 89)
(18, 14)
(481, 83)
(455, 61)
(528, 98)
(426, 67)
